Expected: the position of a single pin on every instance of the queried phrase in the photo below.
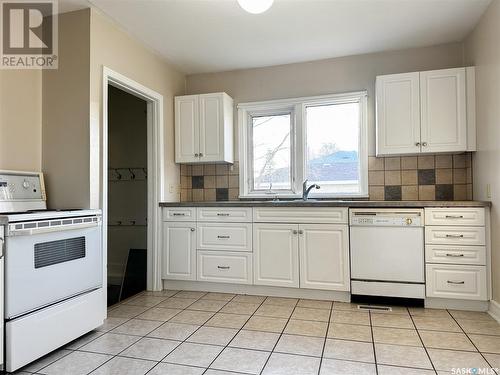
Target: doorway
(149, 174)
(127, 194)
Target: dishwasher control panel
(388, 218)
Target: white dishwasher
(387, 253)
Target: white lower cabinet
(456, 281)
(324, 256)
(276, 257)
(179, 250)
(225, 266)
(312, 256)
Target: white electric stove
(53, 270)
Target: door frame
(155, 167)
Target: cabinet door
(444, 114)
(324, 256)
(187, 129)
(211, 127)
(276, 258)
(179, 250)
(398, 114)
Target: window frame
(297, 108)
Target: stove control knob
(408, 221)
(26, 184)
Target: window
(321, 139)
(271, 152)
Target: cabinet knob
(195, 155)
(417, 143)
(295, 231)
(201, 154)
(192, 229)
(424, 144)
(301, 231)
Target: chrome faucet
(306, 190)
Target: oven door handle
(2, 247)
(58, 228)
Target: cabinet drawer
(475, 255)
(227, 236)
(454, 216)
(228, 214)
(306, 215)
(453, 281)
(455, 235)
(179, 214)
(225, 267)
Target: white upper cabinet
(426, 112)
(443, 110)
(398, 114)
(204, 128)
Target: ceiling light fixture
(255, 6)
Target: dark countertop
(329, 203)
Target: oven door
(45, 267)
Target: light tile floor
(183, 333)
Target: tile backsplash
(429, 177)
(209, 182)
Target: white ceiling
(217, 35)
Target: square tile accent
(426, 176)
(392, 193)
(444, 192)
(197, 182)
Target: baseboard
(494, 310)
(456, 304)
(272, 291)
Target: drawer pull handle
(219, 214)
(455, 282)
(178, 214)
(454, 216)
(454, 236)
(223, 267)
(224, 237)
(454, 255)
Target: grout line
(279, 338)
(239, 330)
(423, 344)
(373, 342)
(472, 342)
(326, 338)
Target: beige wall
(65, 132)
(325, 76)
(482, 50)
(113, 48)
(20, 119)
